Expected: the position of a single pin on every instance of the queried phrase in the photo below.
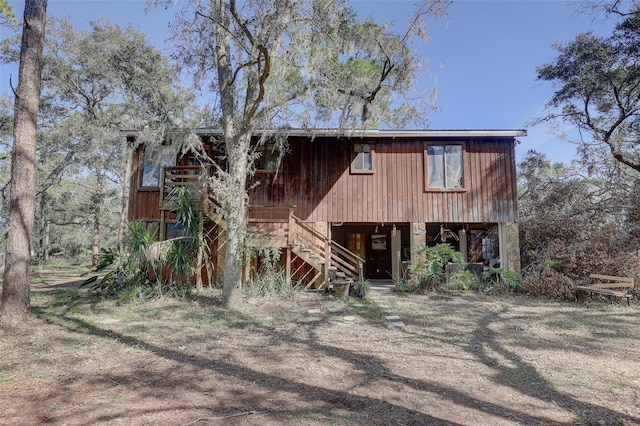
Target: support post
(418, 236)
(509, 242)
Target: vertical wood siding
(143, 203)
(315, 177)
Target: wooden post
(200, 255)
(162, 233)
(287, 266)
(291, 237)
(326, 231)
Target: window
(362, 159)
(444, 167)
(153, 161)
(173, 230)
(268, 158)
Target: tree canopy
(597, 82)
(273, 64)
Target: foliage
(270, 281)
(545, 279)
(139, 266)
(125, 278)
(575, 224)
(14, 307)
(6, 12)
(429, 268)
(360, 289)
(596, 81)
(129, 267)
(510, 278)
(86, 100)
(462, 280)
(272, 64)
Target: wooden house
(356, 203)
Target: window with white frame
(444, 166)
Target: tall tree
(597, 83)
(276, 63)
(87, 98)
(14, 308)
(6, 12)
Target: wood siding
(315, 177)
(144, 203)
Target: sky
(483, 56)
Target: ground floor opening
(387, 247)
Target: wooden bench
(610, 285)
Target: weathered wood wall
(315, 177)
(144, 203)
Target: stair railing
(333, 253)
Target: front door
(356, 244)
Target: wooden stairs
(312, 259)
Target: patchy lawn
(459, 359)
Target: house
(355, 203)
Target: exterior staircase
(313, 259)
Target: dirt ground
(458, 359)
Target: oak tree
(271, 64)
(597, 81)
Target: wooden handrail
(347, 252)
(333, 252)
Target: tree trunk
(95, 253)
(45, 241)
(236, 217)
(236, 139)
(14, 308)
(125, 200)
(44, 230)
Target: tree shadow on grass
(484, 347)
(524, 377)
(340, 401)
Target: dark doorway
(372, 242)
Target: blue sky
(483, 56)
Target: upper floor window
(444, 167)
(362, 159)
(154, 159)
(268, 158)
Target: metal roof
(371, 133)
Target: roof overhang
(342, 133)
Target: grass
(462, 358)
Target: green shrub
(360, 289)
(462, 280)
(498, 277)
(429, 268)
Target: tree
(128, 84)
(577, 223)
(14, 308)
(270, 64)
(6, 12)
(598, 81)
